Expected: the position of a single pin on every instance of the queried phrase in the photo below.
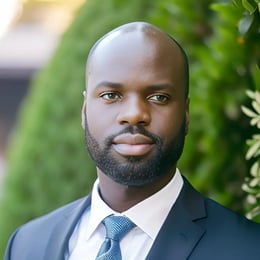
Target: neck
(122, 197)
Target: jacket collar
(178, 236)
(181, 232)
(58, 243)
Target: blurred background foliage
(48, 164)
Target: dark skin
(135, 78)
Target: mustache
(134, 130)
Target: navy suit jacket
(196, 228)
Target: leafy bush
(249, 28)
(252, 183)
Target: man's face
(136, 113)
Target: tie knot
(117, 226)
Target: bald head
(127, 37)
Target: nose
(134, 111)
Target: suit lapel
(178, 236)
(59, 240)
(180, 233)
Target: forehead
(128, 52)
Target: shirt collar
(98, 211)
(153, 209)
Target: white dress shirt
(148, 215)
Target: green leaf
(248, 112)
(246, 188)
(255, 212)
(256, 137)
(244, 24)
(250, 94)
(256, 106)
(236, 2)
(252, 150)
(254, 182)
(255, 121)
(248, 6)
(257, 97)
(255, 171)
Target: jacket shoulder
(228, 235)
(34, 236)
(235, 223)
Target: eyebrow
(108, 84)
(160, 86)
(116, 85)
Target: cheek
(168, 125)
(100, 121)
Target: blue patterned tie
(116, 228)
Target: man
(136, 115)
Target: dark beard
(136, 170)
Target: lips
(132, 144)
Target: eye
(110, 96)
(159, 98)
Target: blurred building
(24, 49)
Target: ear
(187, 115)
(83, 111)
